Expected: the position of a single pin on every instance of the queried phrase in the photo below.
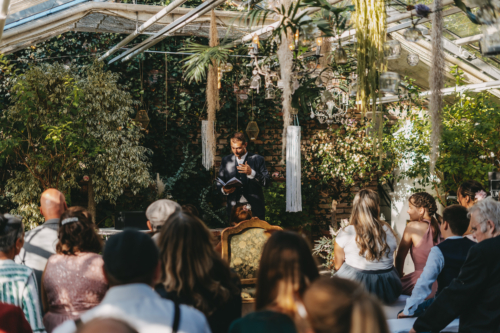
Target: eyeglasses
(474, 228)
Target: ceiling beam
(143, 27)
(468, 40)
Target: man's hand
(228, 191)
(244, 168)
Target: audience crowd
(62, 277)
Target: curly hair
(371, 237)
(425, 200)
(78, 236)
(239, 214)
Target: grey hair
(489, 210)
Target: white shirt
(143, 309)
(423, 288)
(250, 176)
(346, 239)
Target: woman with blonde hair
(335, 305)
(286, 269)
(195, 275)
(364, 250)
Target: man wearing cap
(132, 267)
(158, 213)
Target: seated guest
(286, 269)
(474, 295)
(195, 274)
(468, 194)
(335, 305)
(158, 213)
(239, 213)
(132, 267)
(40, 243)
(190, 209)
(364, 250)
(12, 319)
(420, 235)
(17, 282)
(106, 325)
(444, 261)
(73, 281)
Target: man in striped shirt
(17, 282)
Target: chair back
(242, 247)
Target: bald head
(52, 204)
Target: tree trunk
(91, 204)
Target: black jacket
(474, 295)
(252, 188)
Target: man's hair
(457, 218)
(488, 209)
(238, 136)
(11, 229)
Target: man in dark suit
(474, 295)
(251, 170)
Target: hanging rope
(212, 93)
(436, 80)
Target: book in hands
(233, 182)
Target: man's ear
(150, 227)
(491, 226)
(105, 274)
(446, 225)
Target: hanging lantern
(353, 87)
(270, 93)
(227, 67)
(340, 56)
(490, 43)
(142, 118)
(244, 82)
(252, 130)
(412, 59)
(255, 84)
(392, 49)
(413, 34)
(389, 82)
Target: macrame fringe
(436, 81)
(285, 57)
(293, 170)
(207, 143)
(212, 93)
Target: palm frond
(196, 65)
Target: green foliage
(196, 65)
(344, 156)
(275, 196)
(469, 146)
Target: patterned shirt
(18, 287)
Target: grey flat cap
(159, 211)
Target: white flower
(480, 195)
(492, 154)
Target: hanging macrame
(370, 21)
(208, 135)
(285, 57)
(293, 170)
(436, 80)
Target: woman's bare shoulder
(416, 227)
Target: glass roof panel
(460, 25)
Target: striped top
(18, 287)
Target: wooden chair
(242, 247)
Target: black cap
(129, 255)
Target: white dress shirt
(423, 288)
(142, 308)
(250, 176)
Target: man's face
(239, 148)
(476, 222)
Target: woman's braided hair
(425, 200)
